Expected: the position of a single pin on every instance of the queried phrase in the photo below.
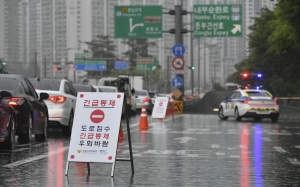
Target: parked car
(249, 103)
(108, 88)
(84, 88)
(61, 102)
(7, 122)
(31, 110)
(98, 89)
(141, 97)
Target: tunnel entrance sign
(96, 126)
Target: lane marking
(280, 150)
(293, 161)
(28, 160)
(220, 154)
(215, 146)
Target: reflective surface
(194, 150)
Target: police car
(247, 102)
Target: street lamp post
(74, 70)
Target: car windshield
(8, 83)
(257, 94)
(83, 88)
(108, 89)
(140, 93)
(45, 84)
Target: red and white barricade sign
(163, 107)
(96, 127)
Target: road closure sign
(96, 127)
(221, 20)
(160, 107)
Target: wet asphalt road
(194, 150)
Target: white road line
(267, 139)
(20, 162)
(280, 150)
(220, 153)
(294, 161)
(215, 146)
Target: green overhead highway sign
(138, 22)
(146, 64)
(222, 20)
(80, 55)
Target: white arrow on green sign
(146, 64)
(138, 21)
(222, 20)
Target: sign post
(95, 129)
(138, 21)
(218, 20)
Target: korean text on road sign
(96, 126)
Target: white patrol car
(249, 103)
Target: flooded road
(194, 150)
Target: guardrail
(188, 104)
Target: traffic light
(56, 68)
(192, 67)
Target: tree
(102, 47)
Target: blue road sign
(177, 82)
(120, 65)
(90, 67)
(178, 49)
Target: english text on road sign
(160, 107)
(178, 63)
(222, 20)
(146, 64)
(178, 49)
(90, 65)
(177, 82)
(138, 21)
(96, 126)
(120, 65)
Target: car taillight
(276, 101)
(57, 99)
(147, 99)
(246, 101)
(16, 101)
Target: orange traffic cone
(121, 137)
(143, 119)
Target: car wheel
(43, 137)
(274, 119)
(221, 114)
(237, 115)
(67, 130)
(26, 137)
(9, 142)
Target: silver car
(141, 97)
(61, 102)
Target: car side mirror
(43, 96)
(135, 96)
(5, 94)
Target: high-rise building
(41, 34)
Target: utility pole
(198, 66)
(35, 62)
(192, 58)
(45, 73)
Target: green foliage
(102, 47)
(274, 45)
(218, 87)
